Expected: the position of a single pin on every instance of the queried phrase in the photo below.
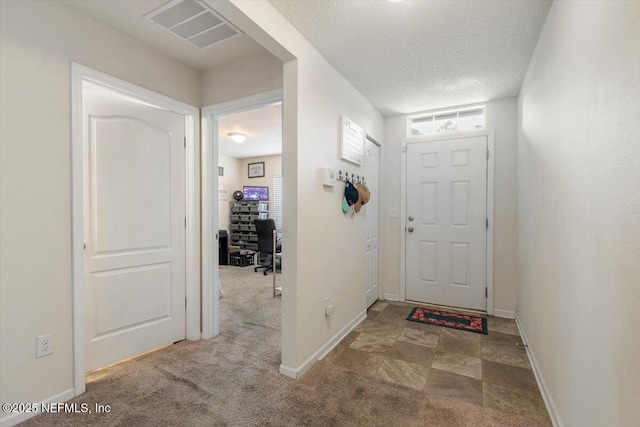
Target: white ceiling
(411, 56)
(127, 16)
(263, 127)
(403, 57)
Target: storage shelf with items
(241, 216)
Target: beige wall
(579, 211)
(502, 117)
(232, 181)
(272, 168)
(244, 77)
(38, 41)
(331, 255)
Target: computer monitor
(255, 193)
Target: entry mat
(449, 320)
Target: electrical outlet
(44, 345)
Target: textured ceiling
(419, 55)
(263, 127)
(127, 16)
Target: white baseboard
(506, 314)
(391, 297)
(546, 396)
(296, 373)
(288, 371)
(17, 418)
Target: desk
(276, 256)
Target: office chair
(264, 230)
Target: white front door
(446, 233)
(372, 170)
(134, 227)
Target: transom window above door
(463, 119)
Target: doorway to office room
(246, 150)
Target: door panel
(429, 262)
(115, 160)
(371, 214)
(118, 290)
(134, 186)
(446, 222)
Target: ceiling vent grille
(194, 22)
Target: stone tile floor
(490, 370)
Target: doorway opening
(251, 170)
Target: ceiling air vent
(194, 22)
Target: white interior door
(134, 227)
(371, 212)
(446, 236)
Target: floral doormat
(449, 320)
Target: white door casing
(446, 222)
(371, 213)
(134, 227)
(210, 271)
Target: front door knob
(410, 229)
(410, 218)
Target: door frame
(370, 138)
(210, 146)
(490, 134)
(79, 74)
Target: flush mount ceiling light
(237, 137)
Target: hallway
(233, 380)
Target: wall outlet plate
(44, 345)
(328, 310)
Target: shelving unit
(241, 217)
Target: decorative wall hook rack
(345, 176)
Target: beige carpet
(233, 380)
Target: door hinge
(487, 154)
(185, 142)
(487, 223)
(486, 292)
(185, 303)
